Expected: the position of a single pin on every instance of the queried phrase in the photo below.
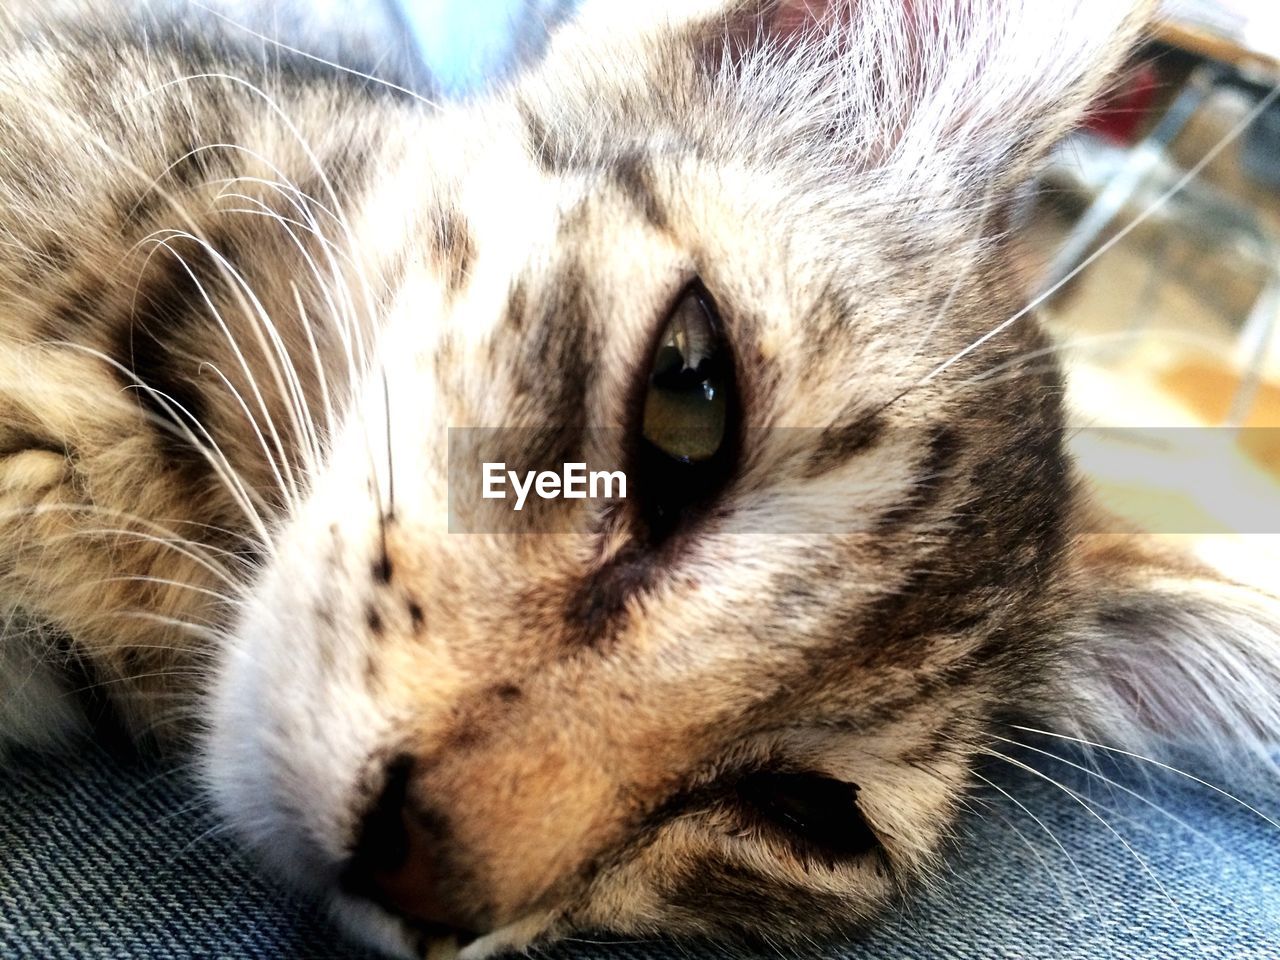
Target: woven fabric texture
(100, 858)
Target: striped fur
(246, 298)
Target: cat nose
(400, 861)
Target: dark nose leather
(400, 860)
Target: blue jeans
(103, 859)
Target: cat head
(746, 700)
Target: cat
(262, 315)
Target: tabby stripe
(169, 314)
(633, 178)
(454, 248)
(943, 451)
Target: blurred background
(1155, 240)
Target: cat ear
(1176, 647)
(988, 85)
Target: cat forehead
(636, 222)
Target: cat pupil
(687, 445)
(686, 407)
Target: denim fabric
(103, 859)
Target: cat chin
(253, 767)
(393, 936)
(371, 925)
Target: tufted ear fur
(1174, 650)
(973, 89)
(987, 84)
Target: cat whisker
(159, 525)
(296, 198)
(164, 582)
(168, 402)
(1057, 842)
(293, 131)
(391, 471)
(1089, 808)
(300, 413)
(969, 265)
(185, 426)
(196, 656)
(217, 830)
(280, 460)
(303, 315)
(205, 630)
(129, 680)
(358, 338)
(1154, 762)
(199, 805)
(275, 42)
(991, 374)
(218, 573)
(304, 203)
(326, 399)
(97, 533)
(278, 353)
(1109, 781)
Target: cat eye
(689, 413)
(818, 814)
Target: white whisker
(1088, 807)
(184, 423)
(1157, 763)
(1093, 897)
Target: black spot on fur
(597, 609)
(79, 307)
(560, 355)
(136, 208)
(382, 569)
(249, 551)
(195, 163)
(159, 341)
(544, 145)
(455, 248)
(517, 304)
(374, 620)
(191, 165)
(737, 901)
(417, 617)
(463, 736)
(16, 440)
(634, 179)
(52, 254)
(1002, 539)
(508, 692)
(943, 449)
(838, 444)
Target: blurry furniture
(1224, 62)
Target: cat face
(746, 699)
